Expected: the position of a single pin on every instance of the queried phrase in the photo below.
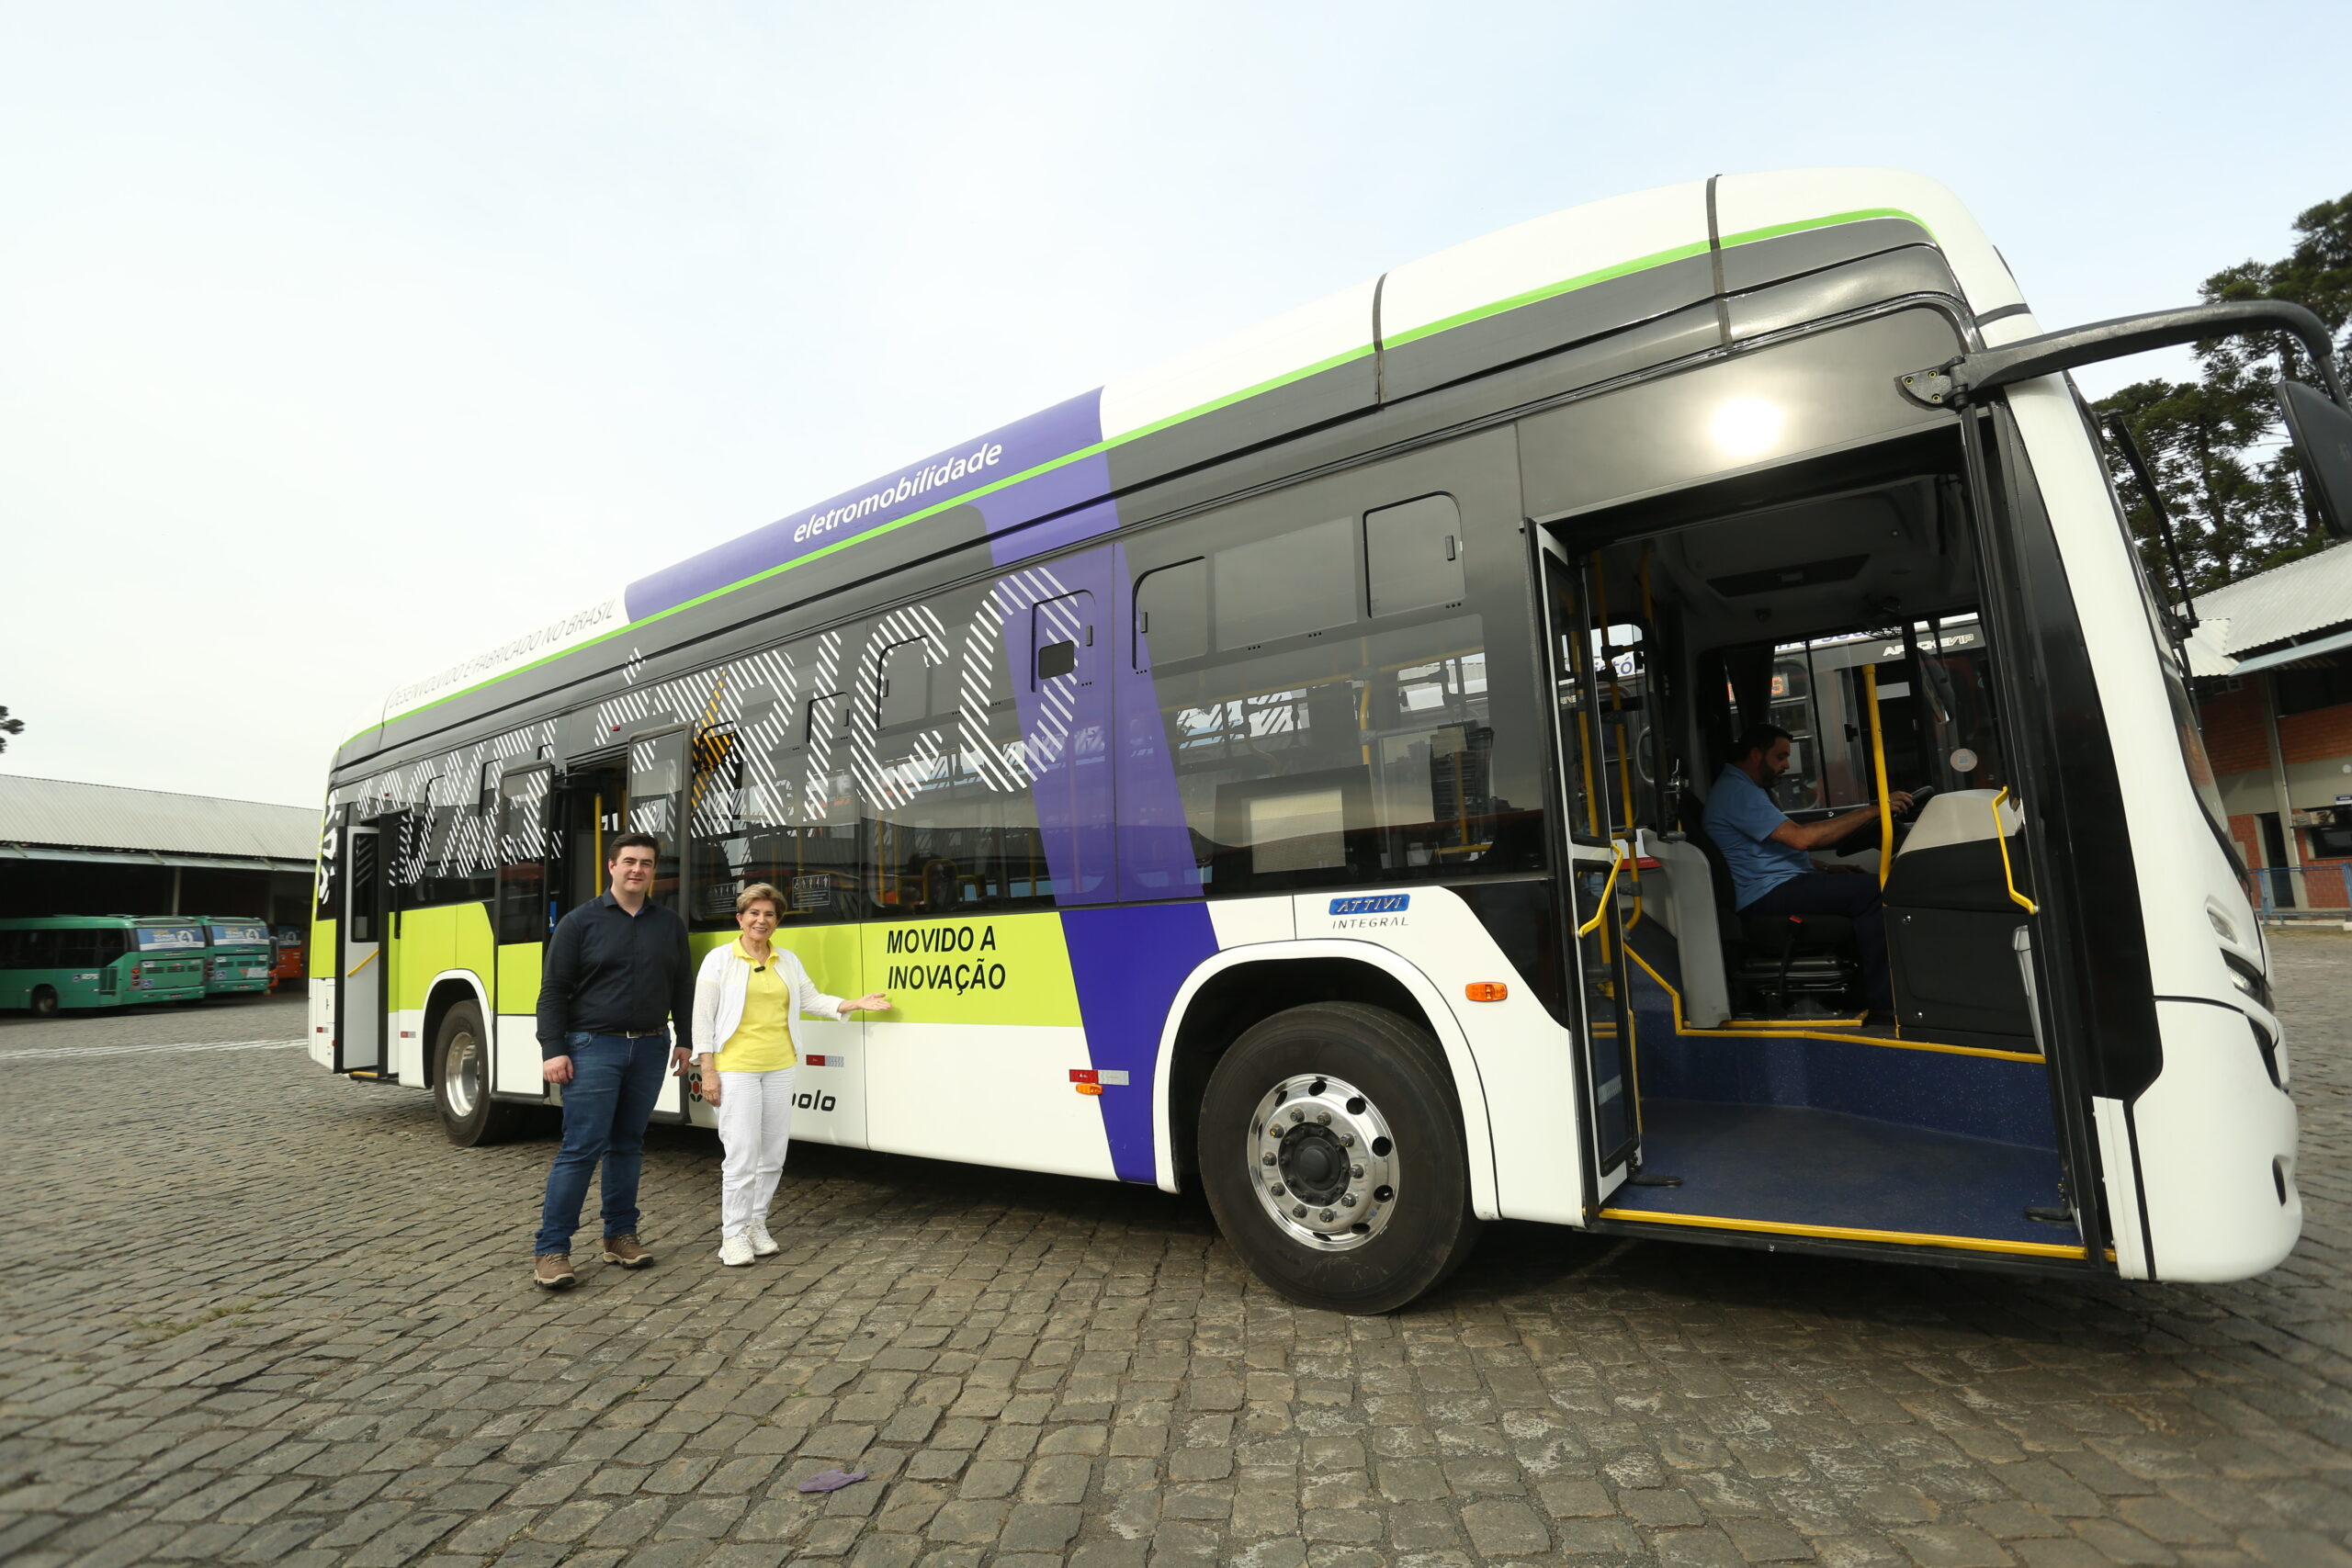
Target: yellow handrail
(1618, 856)
(2001, 837)
(1878, 765)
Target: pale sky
(339, 342)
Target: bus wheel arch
(43, 1002)
(458, 1066)
(1236, 990)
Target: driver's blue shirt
(1740, 819)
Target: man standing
(1770, 856)
(615, 970)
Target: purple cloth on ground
(832, 1480)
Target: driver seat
(1771, 961)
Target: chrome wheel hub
(1322, 1162)
(462, 1076)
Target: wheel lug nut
(1298, 1115)
(1324, 1117)
(1347, 1199)
(1347, 1140)
(1299, 1212)
(1268, 1160)
(1328, 1216)
(1276, 1189)
(1355, 1171)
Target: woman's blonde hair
(755, 893)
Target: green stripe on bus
(1530, 297)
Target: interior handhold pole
(1878, 770)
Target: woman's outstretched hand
(873, 1001)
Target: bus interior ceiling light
(1746, 427)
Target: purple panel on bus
(992, 458)
(1129, 964)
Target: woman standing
(746, 997)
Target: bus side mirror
(2322, 432)
(1971, 376)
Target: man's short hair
(755, 893)
(632, 841)
(1758, 737)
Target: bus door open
(1591, 738)
(359, 958)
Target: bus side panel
(1522, 1059)
(427, 942)
(974, 1060)
(319, 955)
(515, 1064)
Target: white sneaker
(736, 1250)
(762, 1244)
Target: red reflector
(818, 1061)
(1486, 990)
(1085, 1075)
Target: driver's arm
(1811, 836)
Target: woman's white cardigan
(726, 980)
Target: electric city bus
(1280, 771)
(54, 963)
(239, 956)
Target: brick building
(2273, 658)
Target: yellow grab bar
(1878, 766)
(1619, 855)
(2001, 837)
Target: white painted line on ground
(84, 1052)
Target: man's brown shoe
(623, 1250)
(552, 1271)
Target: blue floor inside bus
(1790, 1165)
(1836, 1128)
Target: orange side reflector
(1486, 990)
(1090, 1089)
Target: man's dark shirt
(609, 972)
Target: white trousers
(755, 1129)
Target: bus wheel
(44, 1002)
(461, 1085)
(1331, 1153)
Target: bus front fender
(1468, 1086)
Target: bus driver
(1771, 857)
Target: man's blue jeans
(614, 1081)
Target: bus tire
(1343, 1111)
(44, 1001)
(462, 1082)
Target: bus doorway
(1766, 1092)
(359, 1028)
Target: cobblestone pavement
(253, 1313)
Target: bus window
(1172, 620)
(1412, 555)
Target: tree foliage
(10, 726)
(2215, 448)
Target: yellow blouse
(763, 1042)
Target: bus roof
(1359, 349)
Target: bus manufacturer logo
(1371, 904)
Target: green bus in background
(52, 963)
(241, 954)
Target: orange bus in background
(287, 965)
